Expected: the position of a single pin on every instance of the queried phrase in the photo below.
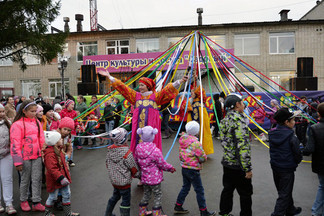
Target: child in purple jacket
(191, 155)
(152, 164)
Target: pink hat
(67, 122)
(68, 102)
(39, 108)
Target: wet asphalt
(91, 187)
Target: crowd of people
(39, 135)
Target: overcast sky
(125, 14)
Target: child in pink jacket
(152, 164)
(27, 139)
(191, 156)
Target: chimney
(199, 12)
(79, 19)
(284, 15)
(66, 25)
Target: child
(6, 164)
(91, 125)
(285, 155)
(259, 117)
(40, 116)
(65, 127)
(152, 164)
(191, 156)
(121, 168)
(315, 146)
(52, 121)
(236, 160)
(27, 139)
(69, 111)
(58, 175)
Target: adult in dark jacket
(315, 146)
(285, 155)
(117, 112)
(109, 118)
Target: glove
(64, 182)
(173, 170)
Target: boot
(143, 210)
(109, 209)
(48, 211)
(124, 210)
(157, 212)
(178, 209)
(58, 203)
(166, 135)
(68, 211)
(206, 213)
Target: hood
(145, 149)
(116, 152)
(280, 135)
(185, 140)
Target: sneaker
(10, 210)
(178, 209)
(38, 207)
(1, 209)
(71, 163)
(25, 206)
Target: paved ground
(91, 188)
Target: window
(30, 87)
(5, 61)
(174, 40)
(219, 39)
(55, 87)
(117, 47)
(248, 79)
(247, 44)
(86, 49)
(147, 45)
(282, 43)
(282, 78)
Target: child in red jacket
(58, 175)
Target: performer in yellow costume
(207, 140)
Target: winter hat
(92, 113)
(67, 122)
(118, 135)
(147, 133)
(62, 103)
(68, 102)
(47, 108)
(39, 108)
(275, 102)
(57, 106)
(192, 128)
(52, 137)
(1, 106)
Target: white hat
(192, 128)
(57, 116)
(118, 135)
(57, 106)
(1, 106)
(52, 137)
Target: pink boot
(143, 211)
(157, 212)
(38, 207)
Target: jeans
(318, 206)
(284, 182)
(109, 125)
(125, 194)
(6, 166)
(235, 179)
(66, 196)
(191, 176)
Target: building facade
(270, 47)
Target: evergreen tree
(23, 27)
